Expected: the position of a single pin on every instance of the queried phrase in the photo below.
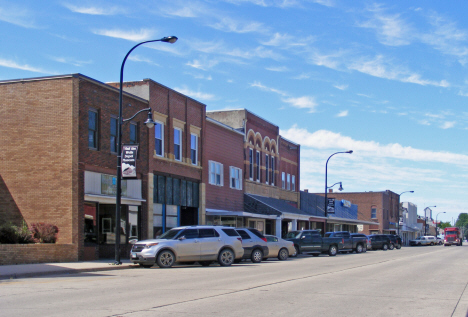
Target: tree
(462, 223)
(444, 225)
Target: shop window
(373, 213)
(216, 173)
(133, 133)
(257, 168)
(107, 234)
(113, 135)
(90, 223)
(267, 169)
(251, 170)
(288, 181)
(293, 183)
(177, 144)
(272, 170)
(235, 177)
(194, 148)
(283, 180)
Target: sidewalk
(41, 269)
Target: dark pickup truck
(310, 241)
(350, 243)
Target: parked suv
(379, 241)
(202, 244)
(395, 241)
(424, 240)
(254, 243)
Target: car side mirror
(182, 238)
(303, 237)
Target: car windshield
(293, 235)
(450, 232)
(169, 235)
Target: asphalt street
(413, 281)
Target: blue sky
(386, 79)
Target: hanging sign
(129, 155)
(331, 205)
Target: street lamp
(442, 212)
(398, 218)
(149, 123)
(326, 186)
(425, 218)
(341, 186)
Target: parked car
(202, 244)
(350, 243)
(310, 241)
(395, 241)
(424, 240)
(254, 244)
(440, 240)
(368, 241)
(279, 248)
(379, 241)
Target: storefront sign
(331, 205)
(346, 203)
(129, 155)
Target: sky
(386, 79)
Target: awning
(111, 200)
(227, 213)
(350, 221)
(273, 207)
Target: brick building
(59, 160)
(378, 207)
(271, 172)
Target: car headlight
(149, 246)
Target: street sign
(331, 205)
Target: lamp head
(341, 187)
(350, 151)
(149, 122)
(169, 39)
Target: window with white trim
(159, 138)
(283, 180)
(267, 168)
(258, 165)
(293, 181)
(177, 144)
(288, 179)
(194, 148)
(251, 164)
(235, 177)
(216, 173)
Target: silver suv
(202, 244)
(254, 243)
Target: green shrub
(44, 232)
(24, 234)
(8, 234)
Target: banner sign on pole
(331, 205)
(129, 155)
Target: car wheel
(226, 257)
(256, 256)
(359, 248)
(146, 266)
(391, 246)
(364, 249)
(165, 259)
(283, 254)
(398, 246)
(298, 250)
(333, 250)
(385, 247)
(432, 243)
(205, 263)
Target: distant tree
(444, 225)
(462, 223)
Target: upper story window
(194, 148)
(113, 135)
(374, 213)
(251, 164)
(283, 180)
(267, 168)
(159, 138)
(177, 144)
(235, 177)
(133, 133)
(288, 180)
(92, 129)
(272, 170)
(257, 168)
(216, 173)
(293, 183)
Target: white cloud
(195, 94)
(302, 76)
(71, 61)
(305, 102)
(139, 58)
(230, 25)
(341, 87)
(343, 113)
(324, 139)
(15, 65)
(448, 124)
(92, 10)
(17, 15)
(135, 35)
(203, 64)
(265, 88)
(277, 68)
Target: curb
(65, 271)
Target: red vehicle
(453, 235)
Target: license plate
(134, 255)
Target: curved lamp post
(398, 218)
(442, 212)
(341, 186)
(425, 218)
(149, 123)
(326, 186)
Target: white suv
(202, 244)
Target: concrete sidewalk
(41, 269)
